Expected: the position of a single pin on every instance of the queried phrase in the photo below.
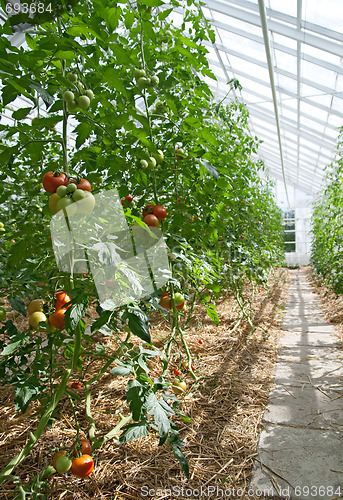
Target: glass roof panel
(314, 12)
(289, 7)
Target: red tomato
(62, 298)
(52, 180)
(83, 466)
(160, 212)
(84, 185)
(151, 220)
(177, 371)
(201, 342)
(129, 198)
(148, 209)
(85, 449)
(57, 319)
(76, 385)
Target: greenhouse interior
(171, 260)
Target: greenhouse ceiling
(287, 56)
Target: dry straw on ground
(235, 371)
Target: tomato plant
(127, 129)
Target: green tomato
(63, 464)
(151, 163)
(68, 96)
(144, 164)
(143, 82)
(72, 77)
(2, 224)
(2, 314)
(159, 156)
(138, 73)
(83, 102)
(90, 94)
(71, 187)
(66, 203)
(86, 205)
(179, 299)
(71, 106)
(154, 81)
(61, 191)
(79, 194)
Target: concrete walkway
(300, 453)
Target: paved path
(300, 453)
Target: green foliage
(327, 249)
(222, 227)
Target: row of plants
(327, 249)
(114, 95)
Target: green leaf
(11, 348)
(44, 94)
(176, 444)
(212, 313)
(83, 132)
(26, 393)
(136, 395)
(129, 19)
(139, 324)
(164, 14)
(18, 305)
(101, 321)
(121, 371)
(19, 114)
(73, 317)
(154, 408)
(134, 431)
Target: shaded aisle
(300, 452)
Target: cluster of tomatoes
(56, 320)
(154, 214)
(154, 159)
(65, 191)
(166, 302)
(76, 97)
(77, 459)
(143, 82)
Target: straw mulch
(332, 304)
(235, 371)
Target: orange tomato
(57, 319)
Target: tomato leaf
(136, 395)
(176, 444)
(138, 324)
(18, 305)
(212, 313)
(101, 321)
(154, 408)
(134, 431)
(19, 114)
(26, 392)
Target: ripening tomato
(85, 449)
(180, 306)
(35, 305)
(63, 464)
(84, 185)
(165, 302)
(179, 299)
(52, 180)
(36, 318)
(177, 371)
(179, 387)
(151, 220)
(57, 319)
(62, 298)
(57, 455)
(83, 466)
(159, 212)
